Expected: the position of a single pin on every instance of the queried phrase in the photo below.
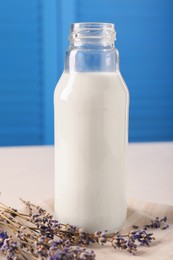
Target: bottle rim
(92, 30)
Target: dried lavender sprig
(45, 229)
(47, 225)
(41, 247)
(10, 247)
(129, 244)
(101, 237)
(155, 224)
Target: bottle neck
(91, 48)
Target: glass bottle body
(91, 131)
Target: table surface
(28, 172)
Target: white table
(28, 172)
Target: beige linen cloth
(140, 213)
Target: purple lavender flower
(73, 252)
(3, 236)
(142, 237)
(10, 248)
(61, 255)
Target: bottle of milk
(91, 103)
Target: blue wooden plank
(20, 140)
(17, 16)
(158, 132)
(22, 66)
(152, 138)
(19, 88)
(18, 8)
(138, 136)
(50, 65)
(19, 43)
(19, 130)
(26, 38)
(20, 98)
(10, 4)
(150, 123)
(152, 103)
(12, 110)
(25, 77)
(25, 28)
(68, 16)
(21, 121)
(150, 113)
(125, 6)
(27, 140)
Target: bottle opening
(92, 32)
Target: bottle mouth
(92, 31)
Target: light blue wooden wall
(33, 39)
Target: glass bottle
(91, 103)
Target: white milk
(91, 120)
